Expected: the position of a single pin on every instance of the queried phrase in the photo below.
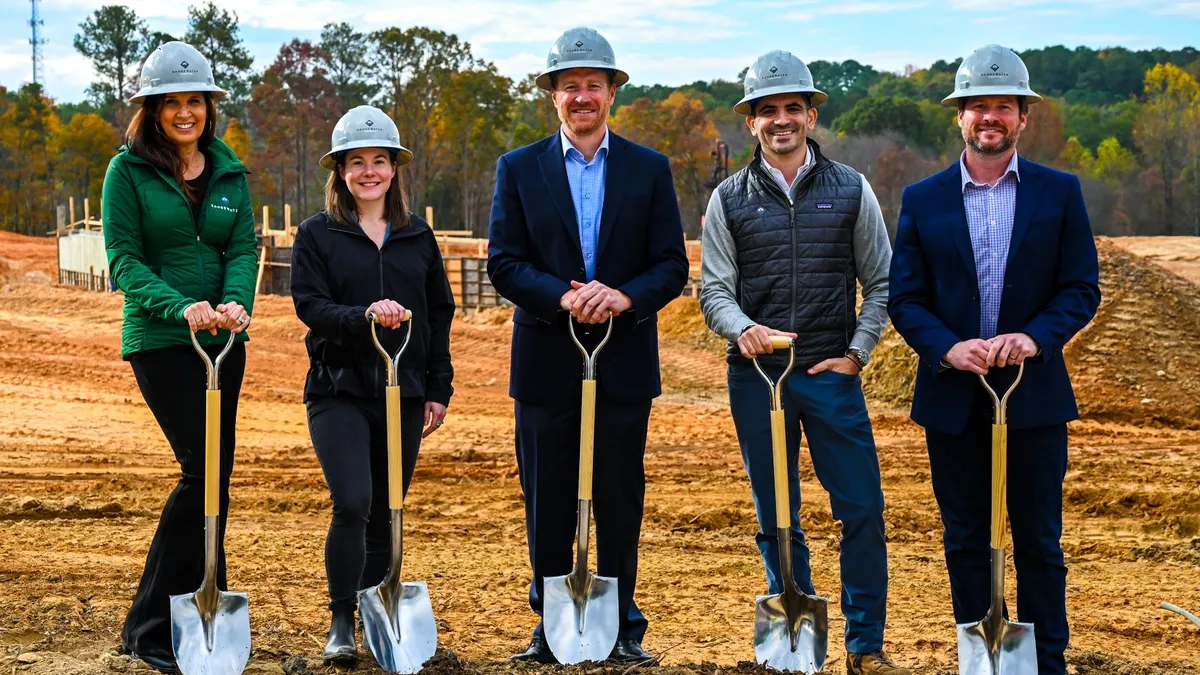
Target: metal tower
(36, 41)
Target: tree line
(1127, 122)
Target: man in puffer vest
(785, 241)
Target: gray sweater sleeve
(872, 259)
(719, 275)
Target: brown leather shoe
(875, 663)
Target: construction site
(84, 470)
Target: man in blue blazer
(585, 223)
(995, 265)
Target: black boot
(341, 650)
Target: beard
(1008, 140)
(785, 145)
(587, 126)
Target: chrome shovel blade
(580, 626)
(211, 644)
(774, 645)
(1006, 649)
(404, 636)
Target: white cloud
(1189, 10)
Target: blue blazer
(534, 253)
(1051, 291)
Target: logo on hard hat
(579, 43)
(370, 123)
(183, 64)
(995, 67)
(774, 69)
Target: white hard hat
(175, 67)
(365, 127)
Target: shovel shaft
(999, 483)
(587, 439)
(212, 451)
(394, 461)
(783, 504)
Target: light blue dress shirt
(587, 192)
(990, 212)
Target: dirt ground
(84, 470)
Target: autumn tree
(294, 109)
(1042, 139)
(471, 126)
(85, 145)
(415, 67)
(678, 128)
(114, 38)
(1166, 133)
(214, 32)
(28, 132)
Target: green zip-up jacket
(164, 261)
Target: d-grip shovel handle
(783, 516)
(392, 392)
(212, 426)
(1000, 456)
(587, 418)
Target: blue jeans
(831, 409)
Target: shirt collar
(968, 180)
(809, 160)
(568, 146)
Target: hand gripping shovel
(397, 617)
(996, 646)
(210, 629)
(791, 629)
(580, 610)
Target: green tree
(346, 61)
(1114, 164)
(214, 32)
(877, 116)
(113, 37)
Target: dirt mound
(1138, 362)
(26, 259)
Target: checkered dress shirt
(990, 211)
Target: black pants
(350, 437)
(173, 382)
(548, 462)
(961, 468)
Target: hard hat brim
(743, 106)
(176, 88)
(620, 77)
(403, 154)
(1030, 96)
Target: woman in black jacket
(365, 251)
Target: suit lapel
(952, 193)
(1029, 188)
(614, 187)
(554, 172)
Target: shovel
(210, 629)
(397, 617)
(579, 610)
(791, 629)
(996, 646)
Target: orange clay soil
(84, 471)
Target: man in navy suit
(994, 266)
(585, 223)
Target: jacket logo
(223, 207)
(224, 200)
(824, 205)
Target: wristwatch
(859, 356)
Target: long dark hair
(339, 201)
(146, 139)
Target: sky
(667, 42)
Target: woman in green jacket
(179, 229)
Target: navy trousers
(831, 409)
(961, 467)
(548, 461)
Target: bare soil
(84, 471)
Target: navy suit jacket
(1051, 291)
(534, 253)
